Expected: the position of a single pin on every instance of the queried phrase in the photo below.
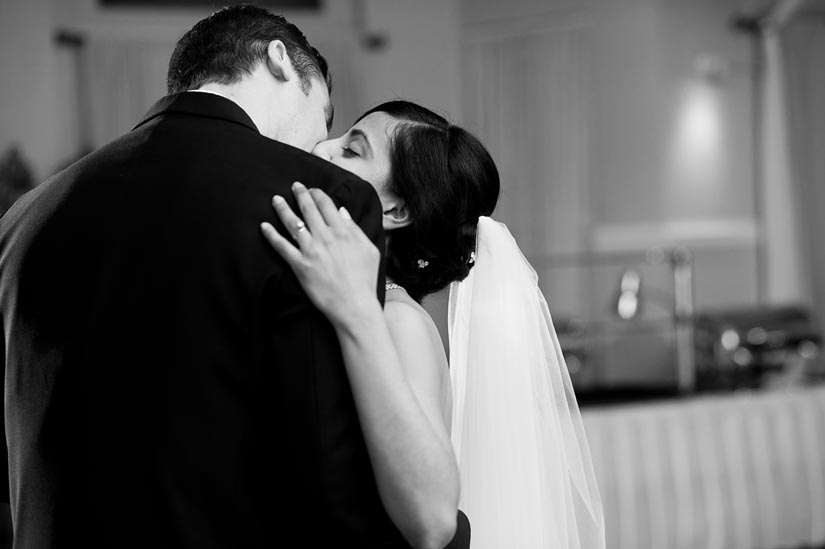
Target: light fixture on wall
(712, 68)
(182, 4)
(696, 155)
(370, 40)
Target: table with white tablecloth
(741, 470)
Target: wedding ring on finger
(300, 226)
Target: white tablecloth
(735, 471)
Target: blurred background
(662, 168)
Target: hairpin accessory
(422, 263)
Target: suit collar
(207, 105)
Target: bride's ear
(396, 215)
(277, 61)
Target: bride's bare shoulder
(410, 323)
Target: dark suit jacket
(167, 381)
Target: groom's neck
(252, 99)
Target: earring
(472, 259)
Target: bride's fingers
(294, 224)
(283, 246)
(309, 210)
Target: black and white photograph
(412, 274)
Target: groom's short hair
(229, 44)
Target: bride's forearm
(412, 458)
(415, 469)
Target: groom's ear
(396, 215)
(277, 61)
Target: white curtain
(803, 42)
(527, 96)
(123, 78)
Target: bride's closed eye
(363, 150)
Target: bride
(502, 419)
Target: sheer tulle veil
(527, 479)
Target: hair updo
(447, 179)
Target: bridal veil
(527, 480)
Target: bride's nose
(323, 150)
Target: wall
(421, 61)
(646, 66)
(673, 151)
(670, 152)
(672, 142)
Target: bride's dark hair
(447, 179)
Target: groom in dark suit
(167, 381)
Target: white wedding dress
(527, 480)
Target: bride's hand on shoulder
(335, 262)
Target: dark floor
(5, 526)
